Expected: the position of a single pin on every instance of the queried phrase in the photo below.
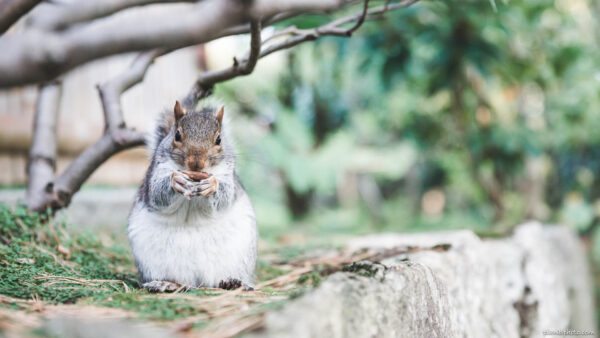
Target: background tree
(60, 37)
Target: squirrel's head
(197, 138)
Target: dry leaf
(26, 260)
(63, 250)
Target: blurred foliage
(447, 114)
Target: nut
(196, 175)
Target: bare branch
(110, 92)
(373, 12)
(361, 19)
(332, 28)
(84, 165)
(12, 10)
(117, 137)
(42, 154)
(206, 81)
(248, 66)
(267, 8)
(245, 28)
(57, 17)
(37, 55)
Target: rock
(535, 280)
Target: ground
(51, 272)
(48, 272)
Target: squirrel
(192, 223)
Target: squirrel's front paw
(207, 187)
(182, 184)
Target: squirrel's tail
(163, 125)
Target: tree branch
(12, 10)
(361, 19)
(206, 81)
(333, 28)
(110, 92)
(84, 165)
(42, 154)
(117, 137)
(37, 55)
(58, 17)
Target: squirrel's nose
(196, 163)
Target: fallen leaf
(23, 260)
(63, 250)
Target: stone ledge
(90, 208)
(535, 280)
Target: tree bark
(42, 155)
(61, 17)
(12, 10)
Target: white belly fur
(192, 249)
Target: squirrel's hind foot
(164, 286)
(230, 284)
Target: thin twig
(361, 19)
(331, 28)
(204, 84)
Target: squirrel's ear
(178, 110)
(220, 114)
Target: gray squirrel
(192, 223)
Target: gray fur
(168, 215)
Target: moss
(297, 293)
(363, 269)
(30, 259)
(314, 277)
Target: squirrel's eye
(177, 136)
(218, 141)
